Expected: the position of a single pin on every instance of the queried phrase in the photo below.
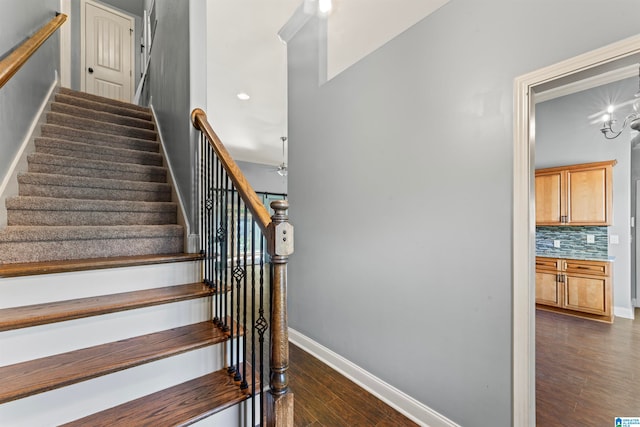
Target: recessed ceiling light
(324, 6)
(242, 96)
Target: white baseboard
(400, 401)
(625, 312)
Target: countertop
(581, 258)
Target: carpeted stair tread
(101, 106)
(96, 126)
(97, 98)
(40, 375)
(78, 187)
(180, 405)
(60, 147)
(59, 311)
(61, 165)
(54, 204)
(20, 244)
(19, 233)
(38, 211)
(101, 116)
(98, 139)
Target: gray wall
(401, 194)
(564, 136)
(21, 97)
(169, 85)
(263, 178)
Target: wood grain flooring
(587, 372)
(323, 397)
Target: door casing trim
(523, 250)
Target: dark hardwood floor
(587, 372)
(323, 397)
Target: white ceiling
(245, 54)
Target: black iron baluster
(214, 238)
(209, 208)
(237, 274)
(220, 240)
(225, 254)
(201, 198)
(261, 327)
(244, 384)
(253, 322)
(232, 231)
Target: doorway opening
(604, 60)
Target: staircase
(103, 320)
(95, 187)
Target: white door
(107, 52)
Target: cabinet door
(549, 204)
(586, 293)
(588, 198)
(548, 289)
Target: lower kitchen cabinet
(574, 287)
(548, 289)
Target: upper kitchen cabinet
(575, 195)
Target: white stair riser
(19, 291)
(41, 341)
(70, 403)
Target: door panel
(108, 66)
(587, 196)
(548, 289)
(586, 294)
(548, 198)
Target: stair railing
(16, 59)
(239, 240)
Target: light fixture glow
(324, 6)
(243, 96)
(633, 119)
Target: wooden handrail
(16, 59)
(278, 233)
(249, 196)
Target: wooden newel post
(280, 246)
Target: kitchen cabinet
(575, 287)
(575, 195)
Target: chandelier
(632, 119)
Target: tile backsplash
(573, 242)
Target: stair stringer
(191, 238)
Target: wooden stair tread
(40, 375)
(40, 314)
(49, 267)
(180, 405)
